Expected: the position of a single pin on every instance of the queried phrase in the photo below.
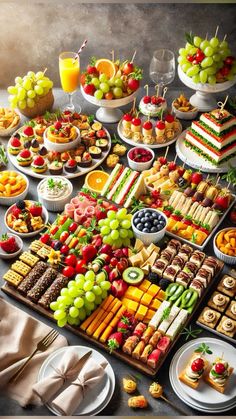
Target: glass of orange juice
(69, 68)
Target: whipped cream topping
(228, 325)
(209, 316)
(229, 282)
(219, 300)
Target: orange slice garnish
(106, 66)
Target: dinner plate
(204, 396)
(98, 397)
(197, 162)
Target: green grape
(183, 52)
(88, 312)
(90, 276)
(30, 102)
(54, 305)
(118, 82)
(117, 92)
(59, 314)
(18, 80)
(89, 305)
(129, 217)
(192, 51)
(185, 67)
(211, 79)
(105, 230)
(31, 94)
(208, 51)
(78, 302)
(74, 312)
(64, 291)
(204, 44)
(62, 322)
(111, 82)
(197, 41)
(211, 70)
(223, 45)
(42, 83)
(50, 84)
(12, 90)
(79, 279)
(98, 300)
(39, 75)
(182, 60)
(101, 276)
(188, 47)
(224, 53)
(101, 223)
(31, 74)
(104, 87)
(71, 284)
(126, 224)
(192, 71)
(62, 299)
(27, 84)
(21, 94)
(111, 215)
(71, 320)
(97, 290)
(95, 82)
(98, 94)
(90, 297)
(106, 239)
(104, 294)
(203, 76)
(214, 42)
(88, 285)
(82, 313)
(123, 233)
(12, 98)
(38, 90)
(103, 78)
(216, 57)
(126, 240)
(107, 222)
(207, 62)
(118, 243)
(130, 234)
(73, 291)
(22, 104)
(121, 213)
(115, 234)
(114, 224)
(105, 285)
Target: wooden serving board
(118, 353)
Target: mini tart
(23, 161)
(227, 326)
(14, 150)
(216, 380)
(70, 168)
(55, 168)
(190, 377)
(227, 285)
(95, 152)
(39, 169)
(102, 143)
(209, 317)
(218, 301)
(231, 310)
(85, 161)
(79, 150)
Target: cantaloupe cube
(132, 306)
(129, 292)
(155, 304)
(145, 284)
(153, 290)
(146, 299)
(137, 294)
(125, 301)
(161, 295)
(150, 314)
(141, 312)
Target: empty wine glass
(162, 68)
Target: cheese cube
(161, 295)
(155, 304)
(141, 312)
(153, 290)
(146, 299)
(145, 284)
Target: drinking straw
(80, 50)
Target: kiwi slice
(133, 275)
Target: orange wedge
(106, 66)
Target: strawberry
(222, 201)
(25, 154)
(39, 161)
(45, 238)
(89, 89)
(36, 209)
(100, 213)
(162, 160)
(28, 131)
(58, 125)
(133, 84)
(101, 133)
(89, 252)
(172, 166)
(123, 324)
(196, 178)
(16, 211)
(115, 341)
(176, 216)
(92, 70)
(8, 244)
(167, 213)
(15, 142)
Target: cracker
(28, 258)
(21, 268)
(13, 278)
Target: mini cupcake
(43, 151)
(95, 152)
(34, 146)
(39, 165)
(27, 133)
(86, 160)
(102, 143)
(25, 157)
(71, 166)
(56, 168)
(15, 146)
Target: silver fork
(42, 345)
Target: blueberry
(140, 226)
(141, 214)
(143, 220)
(136, 221)
(155, 222)
(153, 230)
(158, 227)
(148, 212)
(147, 225)
(146, 230)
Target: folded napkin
(91, 374)
(67, 369)
(19, 335)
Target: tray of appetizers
(70, 146)
(219, 314)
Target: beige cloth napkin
(91, 374)
(67, 369)
(19, 335)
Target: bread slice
(184, 378)
(213, 384)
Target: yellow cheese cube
(131, 306)
(155, 304)
(141, 312)
(129, 292)
(150, 314)
(146, 299)
(137, 294)
(161, 295)
(153, 290)
(145, 284)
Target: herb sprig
(190, 333)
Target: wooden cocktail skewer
(175, 158)
(206, 35)
(216, 32)
(157, 89)
(222, 104)
(113, 55)
(159, 395)
(147, 89)
(44, 70)
(173, 405)
(133, 106)
(134, 55)
(217, 180)
(225, 37)
(167, 150)
(164, 91)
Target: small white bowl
(4, 255)
(9, 131)
(148, 238)
(184, 115)
(139, 166)
(230, 260)
(32, 233)
(10, 200)
(55, 204)
(61, 147)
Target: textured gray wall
(33, 33)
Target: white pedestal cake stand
(203, 99)
(108, 111)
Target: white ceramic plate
(204, 396)
(80, 170)
(99, 397)
(135, 144)
(197, 162)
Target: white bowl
(61, 147)
(231, 260)
(32, 233)
(114, 103)
(184, 115)
(55, 204)
(4, 255)
(9, 131)
(140, 166)
(148, 238)
(11, 200)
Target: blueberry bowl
(149, 225)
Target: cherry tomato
(71, 260)
(68, 271)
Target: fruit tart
(25, 216)
(15, 145)
(39, 164)
(218, 375)
(25, 157)
(61, 133)
(194, 371)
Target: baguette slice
(188, 382)
(213, 384)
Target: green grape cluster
(28, 89)
(81, 296)
(103, 86)
(116, 228)
(207, 61)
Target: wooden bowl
(43, 104)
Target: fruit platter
(68, 144)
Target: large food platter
(79, 172)
(197, 162)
